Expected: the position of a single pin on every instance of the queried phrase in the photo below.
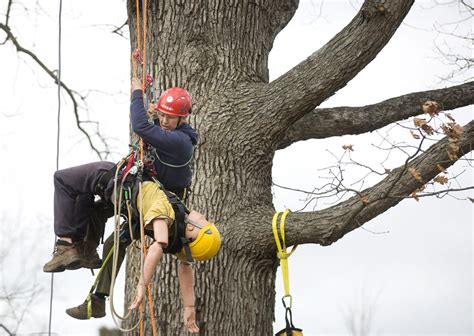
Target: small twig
(6, 329)
(445, 191)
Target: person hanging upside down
(79, 221)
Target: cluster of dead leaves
(451, 129)
(431, 107)
(441, 179)
(423, 124)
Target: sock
(63, 242)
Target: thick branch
(304, 87)
(326, 122)
(51, 73)
(329, 225)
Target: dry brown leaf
(441, 179)
(414, 135)
(348, 148)
(428, 129)
(416, 175)
(457, 129)
(431, 107)
(414, 194)
(453, 150)
(453, 130)
(441, 168)
(449, 116)
(419, 121)
(364, 199)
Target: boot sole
(75, 264)
(71, 313)
(90, 265)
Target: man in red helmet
(172, 140)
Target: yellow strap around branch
(282, 253)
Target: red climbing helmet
(175, 101)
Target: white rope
(117, 208)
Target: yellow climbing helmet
(207, 243)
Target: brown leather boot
(97, 309)
(88, 254)
(65, 256)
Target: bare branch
(118, 30)
(6, 329)
(323, 123)
(7, 15)
(52, 74)
(327, 226)
(307, 85)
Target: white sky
(417, 277)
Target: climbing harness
(128, 175)
(283, 255)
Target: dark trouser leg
(103, 286)
(74, 198)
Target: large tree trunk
(212, 49)
(218, 50)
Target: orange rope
(141, 319)
(150, 301)
(137, 5)
(145, 9)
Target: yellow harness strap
(89, 297)
(282, 253)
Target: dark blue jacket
(173, 148)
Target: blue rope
(57, 148)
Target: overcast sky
(411, 267)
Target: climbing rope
(137, 57)
(57, 149)
(144, 253)
(146, 81)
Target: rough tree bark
(219, 50)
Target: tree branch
(308, 84)
(6, 329)
(51, 73)
(329, 225)
(326, 122)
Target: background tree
(219, 51)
